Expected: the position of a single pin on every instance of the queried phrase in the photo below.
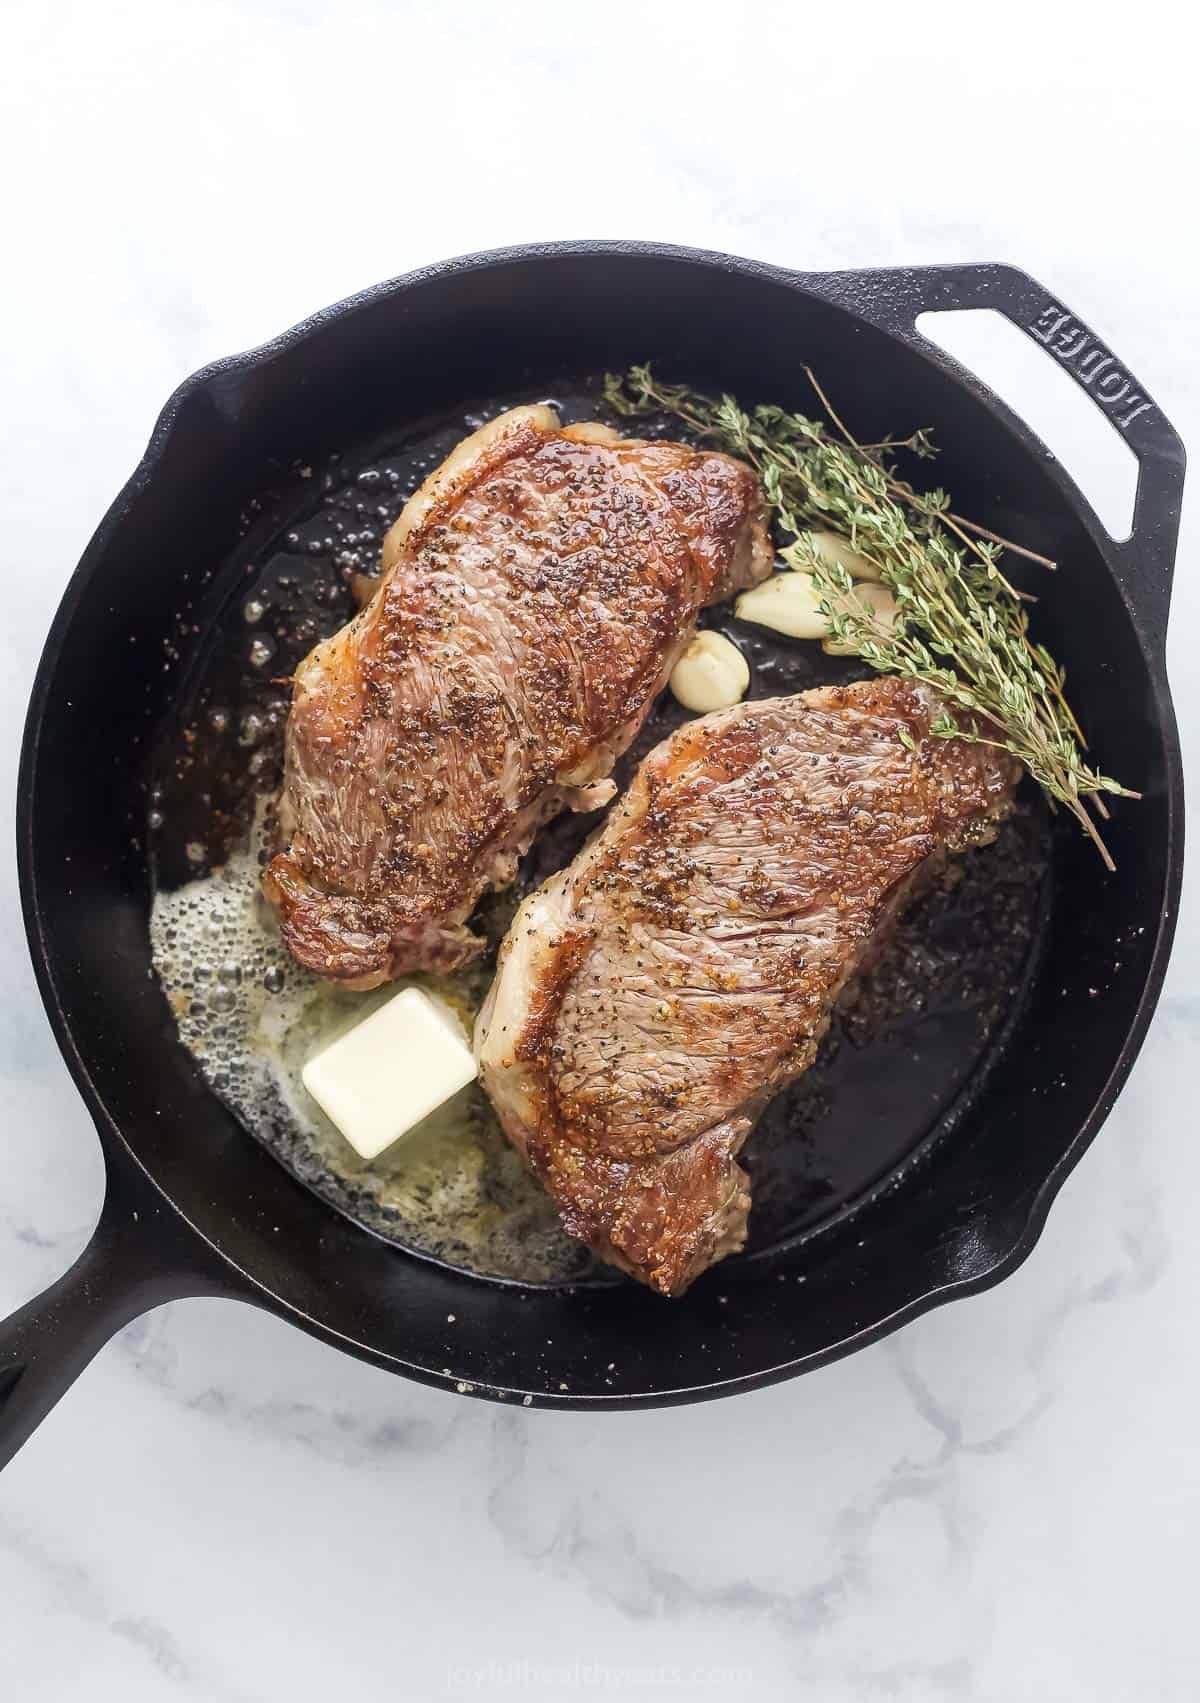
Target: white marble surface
(1000, 1503)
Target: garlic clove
(712, 674)
(882, 605)
(832, 547)
(788, 603)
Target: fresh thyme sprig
(961, 625)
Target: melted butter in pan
(452, 1187)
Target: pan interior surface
(904, 1051)
(141, 641)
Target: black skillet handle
(140, 1255)
(893, 299)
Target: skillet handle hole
(1042, 392)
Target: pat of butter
(390, 1071)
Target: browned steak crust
(652, 997)
(524, 624)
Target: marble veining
(996, 1504)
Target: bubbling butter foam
(250, 1016)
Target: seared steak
(653, 996)
(535, 594)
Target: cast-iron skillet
(193, 1206)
